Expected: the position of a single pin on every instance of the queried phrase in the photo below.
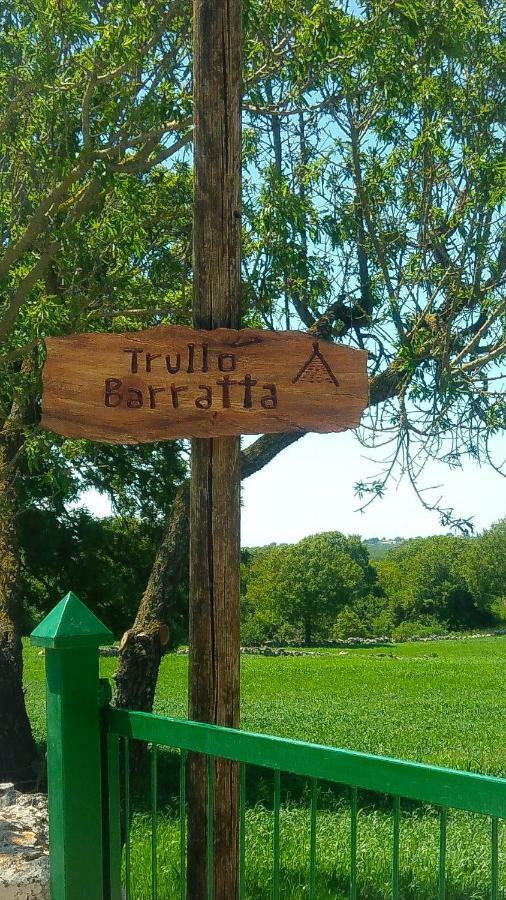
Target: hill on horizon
(379, 548)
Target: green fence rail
(416, 781)
(90, 795)
(440, 787)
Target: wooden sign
(174, 382)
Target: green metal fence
(90, 796)
(443, 788)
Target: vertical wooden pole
(215, 483)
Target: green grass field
(440, 702)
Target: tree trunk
(142, 645)
(308, 632)
(141, 648)
(18, 753)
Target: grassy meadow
(437, 702)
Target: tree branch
(481, 361)
(265, 448)
(480, 333)
(142, 162)
(24, 288)
(366, 212)
(155, 134)
(14, 105)
(85, 117)
(123, 69)
(39, 222)
(134, 313)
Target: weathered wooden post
(215, 475)
(212, 383)
(71, 636)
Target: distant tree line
(325, 586)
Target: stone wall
(24, 847)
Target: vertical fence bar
(275, 834)
(210, 827)
(494, 886)
(395, 848)
(312, 841)
(112, 842)
(154, 821)
(126, 786)
(353, 844)
(182, 822)
(242, 831)
(442, 854)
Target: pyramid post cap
(71, 624)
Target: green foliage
(141, 480)
(487, 568)
(374, 188)
(435, 577)
(105, 561)
(305, 585)
(381, 624)
(426, 626)
(379, 549)
(325, 586)
(348, 625)
(96, 232)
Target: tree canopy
(107, 561)
(94, 229)
(434, 577)
(373, 214)
(325, 586)
(373, 197)
(305, 585)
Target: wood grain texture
(214, 662)
(173, 382)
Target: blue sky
(309, 488)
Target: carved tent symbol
(316, 369)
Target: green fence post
(71, 635)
